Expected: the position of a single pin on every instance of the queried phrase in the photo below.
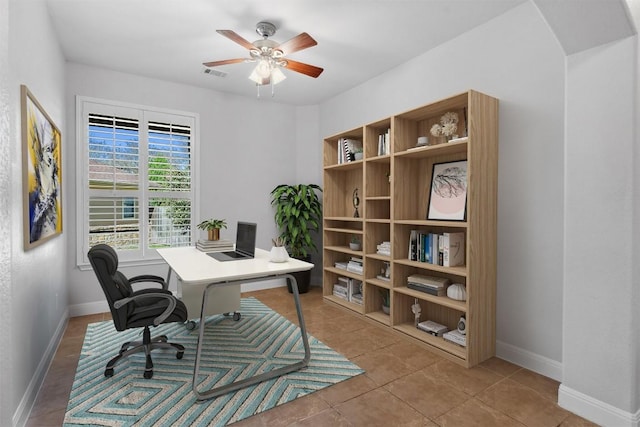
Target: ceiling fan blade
(223, 62)
(299, 42)
(301, 67)
(233, 36)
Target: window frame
(145, 114)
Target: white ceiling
(170, 39)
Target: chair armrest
(149, 278)
(163, 316)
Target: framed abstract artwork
(42, 173)
(448, 195)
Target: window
(136, 193)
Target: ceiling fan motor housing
(265, 29)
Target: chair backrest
(115, 285)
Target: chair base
(147, 345)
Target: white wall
(308, 154)
(525, 71)
(6, 353)
(39, 276)
(247, 147)
(600, 319)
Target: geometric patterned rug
(260, 341)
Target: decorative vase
(278, 254)
(457, 292)
(214, 234)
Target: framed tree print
(42, 173)
(448, 195)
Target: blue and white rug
(260, 341)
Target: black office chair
(134, 309)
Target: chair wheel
(190, 325)
(108, 372)
(236, 316)
(179, 354)
(148, 374)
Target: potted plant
(213, 227)
(298, 215)
(358, 153)
(278, 251)
(354, 245)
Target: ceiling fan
(270, 55)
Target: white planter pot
(278, 254)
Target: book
(433, 328)
(354, 291)
(431, 281)
(453, 249)
(426, 289)
(214, 245)
(341, 264)
(455, 337)
(413, 246)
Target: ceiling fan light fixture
(277, 76)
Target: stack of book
(341, 265)
(341, 289)
(355, 265)
(455, 337)
(428, 284)
(348, 289)
(214, 245)
(433, 328)
(384, 248)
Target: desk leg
(223, 389)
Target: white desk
(196, 268)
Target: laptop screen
(246, 237)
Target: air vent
(216, 73)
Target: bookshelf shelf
(394, 184)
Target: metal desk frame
(237, 385)
(195, 268)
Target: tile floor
(404, 384)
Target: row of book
(348, 289)
(384, 141)
(214, 245)
(446, 249)
(347, 149)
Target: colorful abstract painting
(42, 173)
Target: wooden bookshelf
(393, 188)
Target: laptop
(245, 244)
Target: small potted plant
(213, 227)
(386, 300)
(278, 251)
(354, 245)
(357, 154)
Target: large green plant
(298, 213)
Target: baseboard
(23, 411)
(529, 360)
(595, 410)
(102, 306)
